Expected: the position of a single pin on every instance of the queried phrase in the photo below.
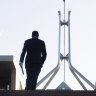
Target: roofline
(6, 57)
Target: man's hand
(21, 65)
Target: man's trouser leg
(32, 76)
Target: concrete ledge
(47, 93)
(6, 58)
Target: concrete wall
(7, 73)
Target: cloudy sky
(18, 18)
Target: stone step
(46, 93)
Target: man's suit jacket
(35, 51)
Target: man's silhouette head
(35, 34)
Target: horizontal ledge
(6, 57)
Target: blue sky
(18, 18)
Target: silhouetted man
(35, 51)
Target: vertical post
(69, 41)
(8, 87)
(59, 13)
(95, 86)
(64, 40)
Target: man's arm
(23, 53)
(22, 57)
(44, 53)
